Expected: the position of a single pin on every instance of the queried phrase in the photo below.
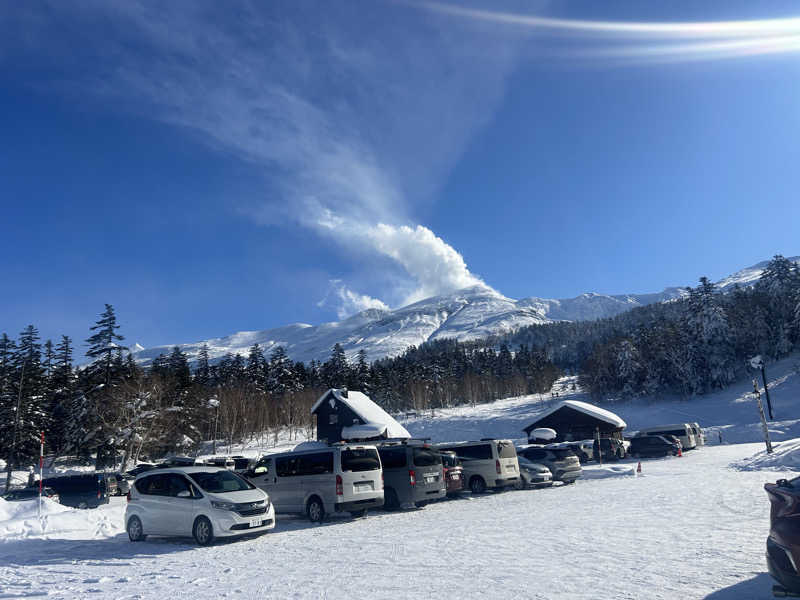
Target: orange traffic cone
(680, 452)
(639, 468)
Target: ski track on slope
(687, 528)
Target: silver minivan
(319, 481)
(488, 464)
(413, 474)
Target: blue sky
(208, 168)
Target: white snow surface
(784, 457)
(589, 409)
(466, 314)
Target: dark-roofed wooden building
(349, 415)
(574, 420)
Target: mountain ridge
(470, 313)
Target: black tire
(357, 514)
(315, 510)
(421, 504)
(203, 532)
(135, 530)
(477, 485)
(519, 484)
(390, 499)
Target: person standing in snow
(31, 477)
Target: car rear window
(216, 482)
(476, 452)
(393, 458)
(562, 453)
(423, 457)
(506, 450)
(360, 459)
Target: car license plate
(255, 522)
(455, 476)
(430, 478)
(363, 486)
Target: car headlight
(223, 505)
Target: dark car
(453, 472)
(80, 491)
(650, 446)
(611, 449)
(412, 474)
(31, 493)
(783, 542)
(139, 469)
(242, 464)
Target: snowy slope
(466, 314)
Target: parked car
(412, 474)
(31, 493)
(140, 468)
(699, 436)
(683, 431)
(559, 458)
(112, 485)
(783, 542)
(178, 461)
(318, 481)
(487, 464)
(80, 491)
(202, 501)
(224, 462)
(241, 464)
(611, 449)
(533, 475)
(123, 484)
(653, 446)
(583, 449)
(453, 472)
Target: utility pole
(764, 427)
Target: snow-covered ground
(686, 528)
(691, 527)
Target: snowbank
(786, 457)
(19, 520)
(607, 471)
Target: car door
(289, 483)
(154, 491)
(179, 510)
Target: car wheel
(519, 484)
(357, 514)
(135, 530)
(421, 504)
(203, 532)
(477, 485)
(390, 500)
(83, 505)
(315, 511)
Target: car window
(178, 483)
(218, 482)
(158, 485)
(287, 466)
(264, 463)
(393, 458)
(474, 452)
(424, 457)
(360, 459)
(316, 464)
(506, 450)
(534, 454)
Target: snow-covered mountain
(466, 314)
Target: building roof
(369, 412)
(585, 408)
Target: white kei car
(202, 501)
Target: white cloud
(347, 302)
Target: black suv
(653, 446)
(80, 491)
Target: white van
(487, 463)
(699, 436)
(340, 478)
(683, 431)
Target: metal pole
(764, 427)
(41, 464)
(766, 392)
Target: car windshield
(217, 482)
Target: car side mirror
(259, 470)
(184, 494)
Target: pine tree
(256, 372)
(28, 385)
(336, 370)
(63, 390)
(202, 374)
(178, 366)
(7, 399)
(102, 346)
